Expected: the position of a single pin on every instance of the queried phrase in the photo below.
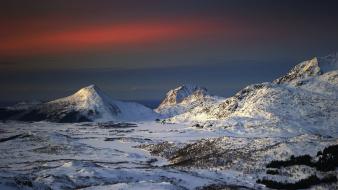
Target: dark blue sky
(137, 50)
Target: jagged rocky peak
(181, 93)
(301, 71)
(310, 68)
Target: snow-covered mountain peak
(305, 99)
(184, 98)
(310, 68)
(181, 93)
(303, 70)
(91, 101)
(91, 89)
(87, 104)
(91, 92)
(90, 97)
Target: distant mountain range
(306, 97)
(88, 104)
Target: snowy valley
(255, 139)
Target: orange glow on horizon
(107, 36)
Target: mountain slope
(310, 68)
(87, 104)
(305, 99)
(184, 98)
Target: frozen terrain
(61, 156)
(45, 155)
(193, 140)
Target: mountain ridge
(184, 98)
(87, 104)
(306, 95)
(306, 98)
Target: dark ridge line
(14, 137)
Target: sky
(138, 50)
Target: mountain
(305, 99)
(310, 68)
(87, 104)
(184, 98)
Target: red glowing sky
(45, 27)
(166, 41)
(37, 37)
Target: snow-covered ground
(199, 141)
(46, 155)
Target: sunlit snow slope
(305, 99)
(87, 104)
(184, 98)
